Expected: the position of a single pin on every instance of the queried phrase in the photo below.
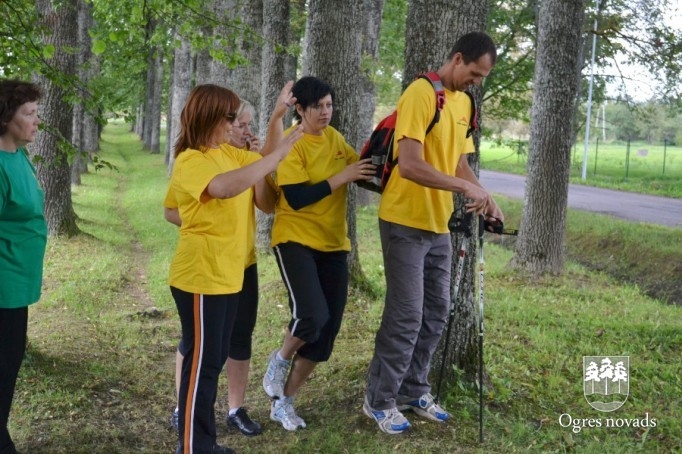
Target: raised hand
(284, 146)
(285, 100)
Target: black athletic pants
(13, 325)
(207, 322)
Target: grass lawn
(609, 165)
(98, 376)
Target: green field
(642, 171)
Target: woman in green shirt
(23, 235)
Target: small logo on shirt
(339, 155)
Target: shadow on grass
(98, 395)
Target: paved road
(624, 205)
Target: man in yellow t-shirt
(413, 216)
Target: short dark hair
(14, 94)
(473, 46)
(308, 91)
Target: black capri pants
(317, 283)
(245, 320)
(247, 311)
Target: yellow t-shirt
(251, 258)
(212, 249)
(320, 225)
(405, 202)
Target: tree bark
(337, 61)
(274, 76)
(245, 79)
(54, 173)
(370, 55)
(540, 246)
(432, 29)
(155, 120)
(182, 85)
(79, 164)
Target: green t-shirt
(23, 231)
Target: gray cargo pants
(417, 264)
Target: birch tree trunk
(540, 246)
(54, 173)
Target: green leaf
(48, 51)
(98, 47)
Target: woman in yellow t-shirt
(210, 189)
(309, 236)
(239, 359)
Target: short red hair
(206, 106)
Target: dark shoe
(243, 423)
(216, 449)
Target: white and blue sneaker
(424, 406)
(275, 376)
(390, 421)
(282, 411)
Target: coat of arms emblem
(606, 381)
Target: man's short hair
(473, 46)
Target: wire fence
(623, 160)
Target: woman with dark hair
(210, 189)
(23, 236)
(311, 245)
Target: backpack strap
(473, 120)
(437, 85)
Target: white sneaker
(390, 421)
(424, 406)
(275, 376)
(282, 411)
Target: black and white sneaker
(241, 421)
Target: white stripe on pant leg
(196, 382)
(278, 255)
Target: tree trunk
(540, 246)
(445, 22)
(147, 124)
(169, 111)
(155, 120)
(337, 61)
(182, 85)
(370, 46)
(274, 76)
(245, 79)
(79, 164)
(202, 65)
(54, 174)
